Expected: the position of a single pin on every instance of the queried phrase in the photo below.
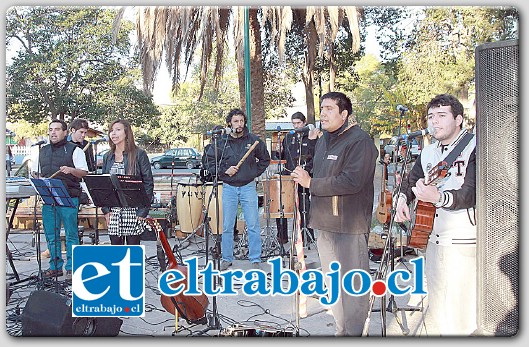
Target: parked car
(391, 147)
(187, 157)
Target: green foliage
(278, 79)
(392, 35)
(24, 129)
(370, 89)
(442, 58)
(180, 123)
(68, 66)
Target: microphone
(41, 142)
(103, 139)
(219, 131)
(415, 134)
(402, 108)
(306, 128)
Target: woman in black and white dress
(125, 224)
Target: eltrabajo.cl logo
(108, 281)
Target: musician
(206, 176)
(289, 151)
(125, 224)
(68, 162)
(342, 191)
(451, 251)
(78, 130)
(239, 184)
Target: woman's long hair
(130, 145)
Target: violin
(190, 307)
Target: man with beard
(239, 184)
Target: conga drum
(274, 166)
(189, 205)
(273, 193)
(212, 208)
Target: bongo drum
(189, 205)
(273, 193)
(212, 209)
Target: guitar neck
(437, 173)
(383, 183)
(163, 240)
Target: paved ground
(402, 316)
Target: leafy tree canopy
(68, 66)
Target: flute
(247, 154)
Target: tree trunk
(257, 82)
(333, 68)
(308, 73)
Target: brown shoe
(52, 273)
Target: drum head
(190, 181)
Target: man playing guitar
(451, 248)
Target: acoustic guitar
(384, 204)
(424, 212)
(191, 307)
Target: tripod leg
(383, 315)
(392, 307)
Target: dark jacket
(342, 188)
(52, 157)
(230, 150)
(291, 154)
(143, 169)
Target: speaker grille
(497, 129)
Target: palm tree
(180, 31)
(320, 28)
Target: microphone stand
(389, 252)
(305, 231)
(281, 207)
(36, 226)
(298, 265)
(95, 241)
(213, 319)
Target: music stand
(53, 192)
(117, 190)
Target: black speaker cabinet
(50, 314)
(498, 165)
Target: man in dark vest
(68, 163)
